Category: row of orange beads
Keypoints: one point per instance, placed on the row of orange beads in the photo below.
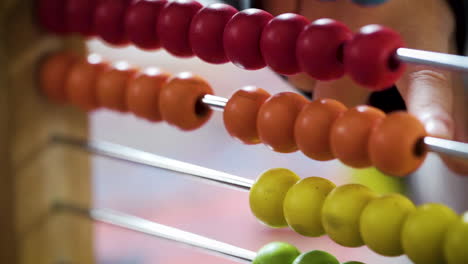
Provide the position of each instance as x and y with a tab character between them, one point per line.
91	83
325	129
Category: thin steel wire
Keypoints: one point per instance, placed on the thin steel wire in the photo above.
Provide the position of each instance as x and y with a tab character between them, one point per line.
434	59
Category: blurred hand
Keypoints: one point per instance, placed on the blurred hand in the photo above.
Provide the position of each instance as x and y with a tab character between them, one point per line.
434	96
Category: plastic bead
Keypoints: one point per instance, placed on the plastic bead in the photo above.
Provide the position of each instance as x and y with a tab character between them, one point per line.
455	242
341	212
370	57
53	74
276	253
395	146
369	2
206	32
302	206
316	257
423	233
278	42
267	195
276	119
109	21
112	87
349	137
174	26
382	221
80	16
320	49
143	94
180	101
51	15
140	23
242	38
313	125
81	83
240	114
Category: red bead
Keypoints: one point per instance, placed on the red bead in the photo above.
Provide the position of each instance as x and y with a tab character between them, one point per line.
174	26
370	57
80	16
320	49
242	38
278	42
51	15
141	21
206	32
109	21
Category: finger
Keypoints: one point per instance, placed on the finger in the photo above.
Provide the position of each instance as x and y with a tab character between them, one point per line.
343	90
277	7
302	82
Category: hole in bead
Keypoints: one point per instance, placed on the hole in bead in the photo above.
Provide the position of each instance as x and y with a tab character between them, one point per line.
201	109
393	62
340	52
419	148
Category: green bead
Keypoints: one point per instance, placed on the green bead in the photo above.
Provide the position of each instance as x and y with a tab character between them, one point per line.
276	253
316	257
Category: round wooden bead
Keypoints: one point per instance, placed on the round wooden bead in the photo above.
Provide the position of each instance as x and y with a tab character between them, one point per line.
456	240
320	49
109	21
278	42
112	87
313	126
395	145
174	26
206	32
240	114
276	119
370	57
143	94
81	83
53	74
180	101
140	23
276	253
80	16
51	15
349	135
242	38
316	257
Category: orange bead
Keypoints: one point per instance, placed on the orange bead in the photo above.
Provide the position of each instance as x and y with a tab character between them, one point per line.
350	134
396	145
80	86
180	101
53	74
313	125
240	114
143	94
112	87
276	118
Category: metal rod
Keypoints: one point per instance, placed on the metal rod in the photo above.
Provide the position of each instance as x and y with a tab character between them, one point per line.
214	102
144	226
435	59
120	152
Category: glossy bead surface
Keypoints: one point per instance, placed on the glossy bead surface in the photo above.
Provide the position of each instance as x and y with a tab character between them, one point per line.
53	74
313	126
369	2
349	137
180	101
80	16
423	233
112	86
456	241
109	21
276	119
320	49
302	206
370	57
174	26
341	212
316	257
240	114
381	223
395	145
206	32
242	38
81	82
276	253
278	42
267	195
140	23
51	15
143	94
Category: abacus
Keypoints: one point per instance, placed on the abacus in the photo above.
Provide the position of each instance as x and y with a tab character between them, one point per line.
351	215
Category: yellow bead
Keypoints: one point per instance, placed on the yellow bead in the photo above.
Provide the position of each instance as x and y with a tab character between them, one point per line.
423	233
341	212
456	242
303	203
381	223
267	196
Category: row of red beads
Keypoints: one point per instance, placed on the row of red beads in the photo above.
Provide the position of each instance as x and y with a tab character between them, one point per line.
251	39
